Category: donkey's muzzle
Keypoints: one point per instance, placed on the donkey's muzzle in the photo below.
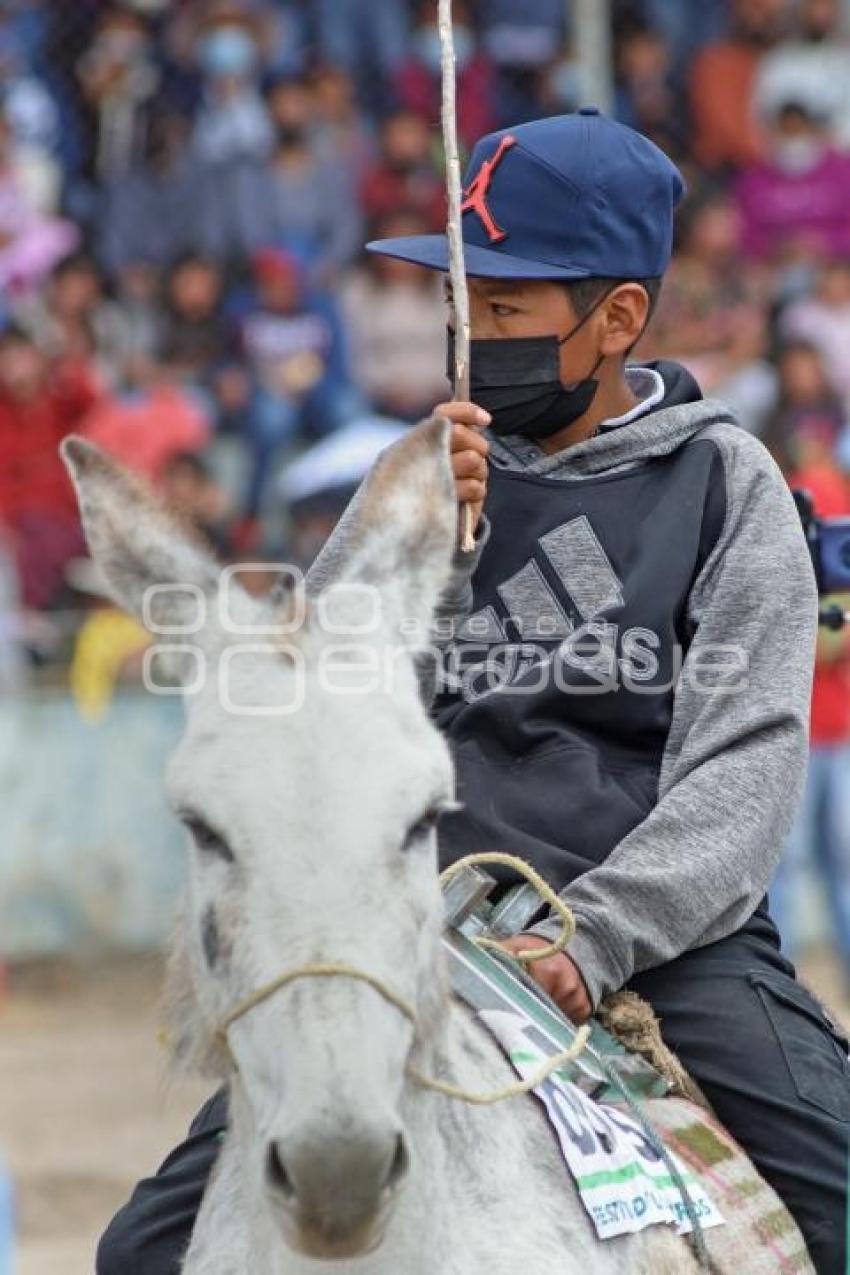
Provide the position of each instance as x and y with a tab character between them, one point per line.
334	1195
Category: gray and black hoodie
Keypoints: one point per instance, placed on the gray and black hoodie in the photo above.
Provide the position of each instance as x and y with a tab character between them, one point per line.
629	654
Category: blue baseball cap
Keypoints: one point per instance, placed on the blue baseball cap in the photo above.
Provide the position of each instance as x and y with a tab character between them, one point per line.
573	197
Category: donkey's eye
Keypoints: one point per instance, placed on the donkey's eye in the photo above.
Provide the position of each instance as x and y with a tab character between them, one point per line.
207	840
427	823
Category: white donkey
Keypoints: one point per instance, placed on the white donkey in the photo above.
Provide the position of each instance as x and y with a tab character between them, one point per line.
312	840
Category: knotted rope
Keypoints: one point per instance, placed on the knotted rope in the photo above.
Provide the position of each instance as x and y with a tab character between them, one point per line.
341	969
543	888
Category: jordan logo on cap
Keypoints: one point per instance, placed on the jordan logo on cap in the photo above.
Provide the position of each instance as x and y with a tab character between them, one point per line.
476	195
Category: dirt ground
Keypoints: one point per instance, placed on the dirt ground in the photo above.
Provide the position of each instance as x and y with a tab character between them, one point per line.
86	1108
85	1105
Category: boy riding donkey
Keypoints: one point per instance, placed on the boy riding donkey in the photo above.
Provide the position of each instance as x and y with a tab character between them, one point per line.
629	651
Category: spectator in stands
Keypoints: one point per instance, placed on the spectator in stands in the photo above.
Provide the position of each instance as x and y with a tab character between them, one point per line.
39	405
187	486
396	323
565	85
71	317
647	96
292	108
419	80
298	197
346	135
794	204
233	122
287	37
406	175
820	839
824	321
29	195
299	387
109	646
525	36
152	213
193	329
369	38
309	202
119	77
137	313
316	488
722	84
712	315
31	239
686	27
149	419
522	40
809	423
813	68
37	169
27	101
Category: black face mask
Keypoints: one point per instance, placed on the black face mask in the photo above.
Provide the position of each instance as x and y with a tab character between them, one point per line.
518	381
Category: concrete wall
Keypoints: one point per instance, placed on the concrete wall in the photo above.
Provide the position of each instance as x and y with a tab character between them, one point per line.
90	857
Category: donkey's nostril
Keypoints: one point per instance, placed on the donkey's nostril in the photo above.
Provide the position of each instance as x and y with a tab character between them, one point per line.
335	1184
399	1166
277	1176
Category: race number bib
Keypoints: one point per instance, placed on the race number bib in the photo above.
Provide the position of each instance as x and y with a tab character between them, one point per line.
623	1182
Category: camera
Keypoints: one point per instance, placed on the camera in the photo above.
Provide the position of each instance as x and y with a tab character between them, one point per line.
829	545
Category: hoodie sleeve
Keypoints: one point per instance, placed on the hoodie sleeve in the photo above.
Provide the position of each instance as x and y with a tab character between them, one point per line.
735	760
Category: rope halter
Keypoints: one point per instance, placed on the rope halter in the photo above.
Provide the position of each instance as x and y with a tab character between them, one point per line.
341	969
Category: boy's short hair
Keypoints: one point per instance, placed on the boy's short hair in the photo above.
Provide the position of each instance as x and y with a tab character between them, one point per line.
584	294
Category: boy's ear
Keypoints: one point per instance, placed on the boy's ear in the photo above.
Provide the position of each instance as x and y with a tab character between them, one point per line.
153	566
627	312
405	533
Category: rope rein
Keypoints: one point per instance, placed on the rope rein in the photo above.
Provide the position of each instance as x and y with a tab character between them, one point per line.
515	1090
543	888
341	969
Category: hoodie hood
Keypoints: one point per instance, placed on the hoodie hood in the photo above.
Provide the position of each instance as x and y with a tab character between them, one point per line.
679	385
681	414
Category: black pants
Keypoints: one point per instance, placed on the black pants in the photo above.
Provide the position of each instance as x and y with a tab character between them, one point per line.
767	1057
774	1067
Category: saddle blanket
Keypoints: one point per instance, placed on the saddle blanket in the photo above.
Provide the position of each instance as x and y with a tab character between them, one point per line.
623	1182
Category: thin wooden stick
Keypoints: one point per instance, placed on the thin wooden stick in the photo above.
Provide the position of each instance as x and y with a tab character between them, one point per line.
457	266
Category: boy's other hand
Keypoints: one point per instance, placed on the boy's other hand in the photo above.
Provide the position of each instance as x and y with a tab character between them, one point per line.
559	977
469	453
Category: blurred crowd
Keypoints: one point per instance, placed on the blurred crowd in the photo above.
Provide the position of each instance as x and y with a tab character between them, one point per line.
186	187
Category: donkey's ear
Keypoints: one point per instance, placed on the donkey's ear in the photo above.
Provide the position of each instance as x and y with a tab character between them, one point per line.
150	562
406	527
